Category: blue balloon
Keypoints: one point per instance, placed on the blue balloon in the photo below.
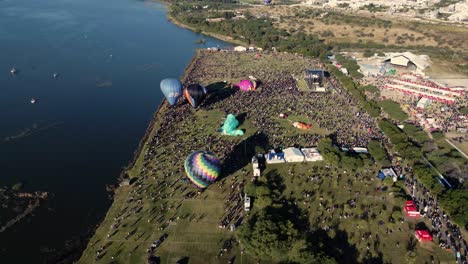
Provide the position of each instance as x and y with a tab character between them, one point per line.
172	90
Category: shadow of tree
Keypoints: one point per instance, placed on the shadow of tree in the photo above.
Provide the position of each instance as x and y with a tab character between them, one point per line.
183	260
337	247
241	118
242	153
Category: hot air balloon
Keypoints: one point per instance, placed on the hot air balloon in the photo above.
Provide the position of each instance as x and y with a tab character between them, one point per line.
172	89
195	94
202	168
247	85
267	2
230	125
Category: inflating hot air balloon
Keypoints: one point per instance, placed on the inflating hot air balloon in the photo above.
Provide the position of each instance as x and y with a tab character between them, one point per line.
172	89
247	85
302	125
202	168
195	94
230	125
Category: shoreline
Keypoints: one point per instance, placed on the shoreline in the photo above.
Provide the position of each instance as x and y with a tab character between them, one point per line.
137	154
210	34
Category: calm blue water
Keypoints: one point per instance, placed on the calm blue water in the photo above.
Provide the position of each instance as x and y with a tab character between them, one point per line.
111	56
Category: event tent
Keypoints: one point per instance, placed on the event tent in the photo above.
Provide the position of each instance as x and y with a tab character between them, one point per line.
293	155
423	235
411	210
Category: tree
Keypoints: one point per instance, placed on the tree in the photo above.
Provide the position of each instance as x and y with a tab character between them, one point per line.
378	152
393	110
266	236
329	152
455	201
272	234
262	191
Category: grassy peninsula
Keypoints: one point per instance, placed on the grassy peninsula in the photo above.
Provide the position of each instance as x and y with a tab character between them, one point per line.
332	211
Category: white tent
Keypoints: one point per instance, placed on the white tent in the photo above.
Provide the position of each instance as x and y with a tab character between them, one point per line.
293	155
311	154
240	48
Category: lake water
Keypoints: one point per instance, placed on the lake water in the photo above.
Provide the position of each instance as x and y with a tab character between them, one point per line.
110	57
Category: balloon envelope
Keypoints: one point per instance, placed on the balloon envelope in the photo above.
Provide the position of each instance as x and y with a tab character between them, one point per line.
247	85
230	125
195	94
172	89
202	168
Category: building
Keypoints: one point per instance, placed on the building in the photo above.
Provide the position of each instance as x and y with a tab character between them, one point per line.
423	103
423	235
274	157
293	155
314	78
408	60
344	71
240	48
311	154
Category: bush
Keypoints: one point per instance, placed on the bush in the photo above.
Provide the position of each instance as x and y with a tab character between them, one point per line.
378	153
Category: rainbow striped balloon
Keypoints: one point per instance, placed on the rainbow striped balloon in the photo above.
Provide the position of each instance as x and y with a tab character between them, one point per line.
202	168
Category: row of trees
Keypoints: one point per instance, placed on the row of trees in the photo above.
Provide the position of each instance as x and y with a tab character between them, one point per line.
344	159
393	110
357	91
453	201
252	30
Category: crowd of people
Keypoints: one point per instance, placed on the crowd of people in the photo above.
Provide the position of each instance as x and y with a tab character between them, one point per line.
448	234
179	131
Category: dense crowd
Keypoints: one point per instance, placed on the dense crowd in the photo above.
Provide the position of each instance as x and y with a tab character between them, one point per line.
163	179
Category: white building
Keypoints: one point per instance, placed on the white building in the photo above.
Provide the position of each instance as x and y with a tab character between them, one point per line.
311	154
293	155
407	59
423	103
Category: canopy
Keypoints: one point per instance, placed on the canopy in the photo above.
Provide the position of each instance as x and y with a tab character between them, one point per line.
423	235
